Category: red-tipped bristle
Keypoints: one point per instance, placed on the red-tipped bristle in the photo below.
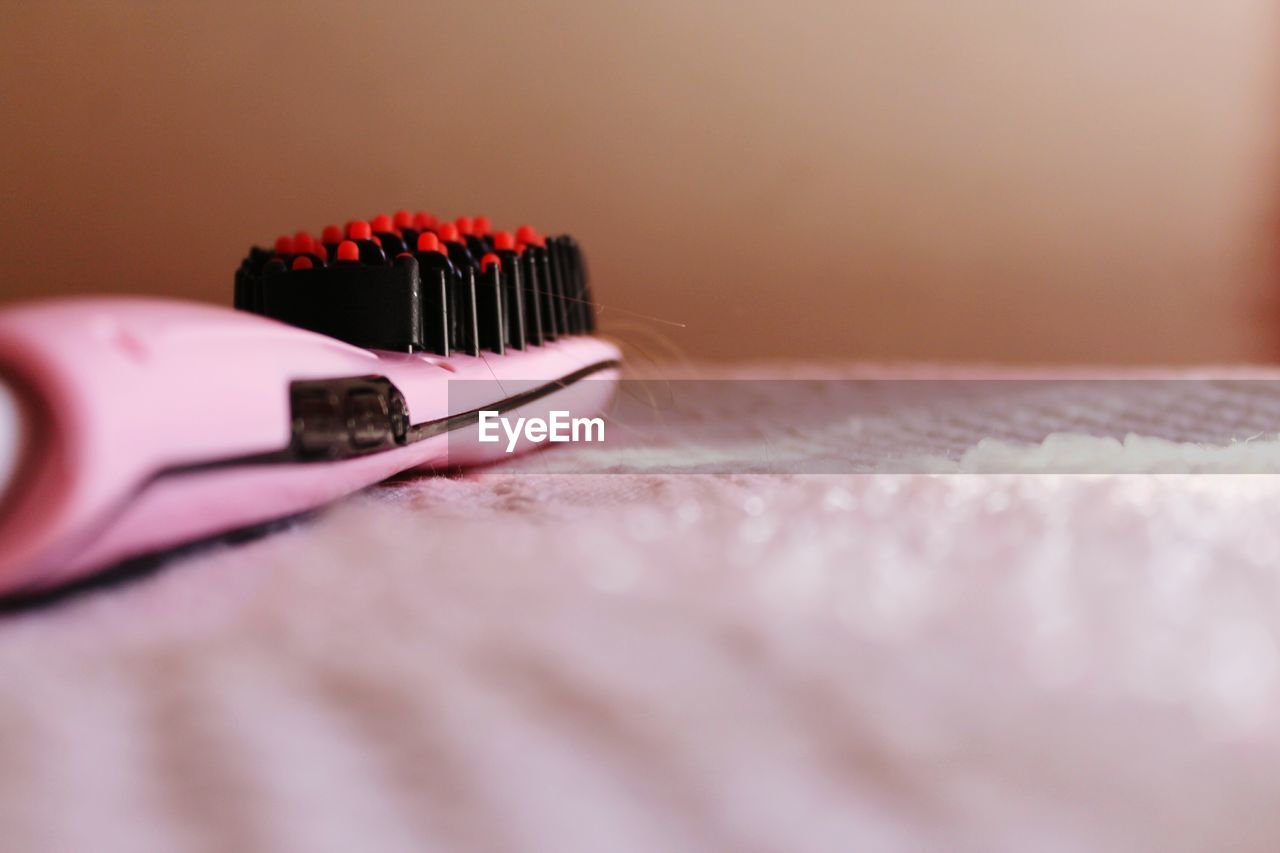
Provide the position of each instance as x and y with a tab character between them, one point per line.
423	221
403	219
321	252
463	224
488	260
303	243
359	230
504	240
428	242
331	234
481	226
302	262
381	223
348	251
448	231
284	245
526	234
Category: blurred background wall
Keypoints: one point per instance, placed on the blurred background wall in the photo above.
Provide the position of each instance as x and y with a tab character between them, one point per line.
988	179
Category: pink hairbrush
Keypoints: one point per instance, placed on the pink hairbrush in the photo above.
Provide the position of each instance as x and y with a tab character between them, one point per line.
129	426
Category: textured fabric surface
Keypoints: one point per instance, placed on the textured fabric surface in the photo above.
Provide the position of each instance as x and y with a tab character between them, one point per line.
514	660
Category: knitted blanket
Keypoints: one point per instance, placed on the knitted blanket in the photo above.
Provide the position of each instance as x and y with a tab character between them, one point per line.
952	643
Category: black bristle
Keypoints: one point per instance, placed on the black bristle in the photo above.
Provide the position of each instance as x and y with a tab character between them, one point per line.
489	309
514	302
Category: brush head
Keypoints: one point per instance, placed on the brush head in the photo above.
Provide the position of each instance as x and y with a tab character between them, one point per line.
409	282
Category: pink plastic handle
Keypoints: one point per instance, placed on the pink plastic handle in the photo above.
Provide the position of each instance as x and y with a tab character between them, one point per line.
116	390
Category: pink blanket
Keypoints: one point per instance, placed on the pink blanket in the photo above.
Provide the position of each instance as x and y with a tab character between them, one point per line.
514	660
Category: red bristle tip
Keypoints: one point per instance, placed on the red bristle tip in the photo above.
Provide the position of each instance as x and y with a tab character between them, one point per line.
428	242
488	260
284	245
331	234
423	221
377	239
381	223
526	234
403	219
448	232
463	224
303	243
403	255
302	262
321	252
348	251
504	240
359	230
481	226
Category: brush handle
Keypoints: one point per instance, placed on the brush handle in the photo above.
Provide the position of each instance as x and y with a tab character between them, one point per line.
144	424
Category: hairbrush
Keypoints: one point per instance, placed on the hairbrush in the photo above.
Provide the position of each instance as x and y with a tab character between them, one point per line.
130	426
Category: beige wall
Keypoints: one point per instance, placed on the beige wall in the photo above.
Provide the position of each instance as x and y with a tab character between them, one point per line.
988	179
